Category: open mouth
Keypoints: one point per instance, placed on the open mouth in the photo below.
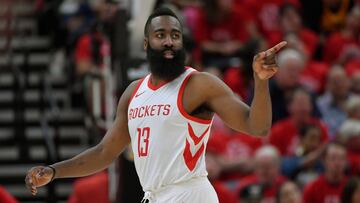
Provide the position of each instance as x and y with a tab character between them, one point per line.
168	54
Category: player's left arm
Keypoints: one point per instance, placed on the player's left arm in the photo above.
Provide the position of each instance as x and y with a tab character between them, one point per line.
256	119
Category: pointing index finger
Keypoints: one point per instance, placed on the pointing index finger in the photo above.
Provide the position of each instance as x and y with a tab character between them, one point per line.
275	48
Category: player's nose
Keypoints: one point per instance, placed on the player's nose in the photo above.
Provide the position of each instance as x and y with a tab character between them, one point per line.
168	41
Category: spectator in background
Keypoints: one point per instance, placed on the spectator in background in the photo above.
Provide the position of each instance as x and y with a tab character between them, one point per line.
287	79
235	151
352	67
291	27
5	197
355	83
351	192
351	127
93	189
91	57
267	14
305	165
106	11
76	17
332	103
328	187
252	193
304	41
343	46
267	173
333	15
285	133
289	192
214	168
349	133
311	14
91	51
239	83
221	33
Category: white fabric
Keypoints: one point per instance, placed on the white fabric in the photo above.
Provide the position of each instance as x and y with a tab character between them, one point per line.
196	190
164	162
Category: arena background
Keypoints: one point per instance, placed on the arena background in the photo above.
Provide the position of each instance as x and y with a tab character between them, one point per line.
64	64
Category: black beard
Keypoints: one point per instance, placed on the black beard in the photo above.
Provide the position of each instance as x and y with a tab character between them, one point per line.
166	68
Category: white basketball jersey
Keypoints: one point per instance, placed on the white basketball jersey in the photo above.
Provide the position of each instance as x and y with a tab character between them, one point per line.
168	144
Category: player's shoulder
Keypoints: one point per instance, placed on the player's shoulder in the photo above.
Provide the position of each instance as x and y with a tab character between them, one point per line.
135	83
128	93
203	82
131	87
199	78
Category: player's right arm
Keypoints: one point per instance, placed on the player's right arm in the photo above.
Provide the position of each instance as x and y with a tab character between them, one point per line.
92	160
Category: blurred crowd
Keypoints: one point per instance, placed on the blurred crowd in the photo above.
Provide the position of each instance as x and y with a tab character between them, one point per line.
312	154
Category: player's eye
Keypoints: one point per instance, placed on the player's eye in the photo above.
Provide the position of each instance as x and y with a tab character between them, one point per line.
159	35
175	36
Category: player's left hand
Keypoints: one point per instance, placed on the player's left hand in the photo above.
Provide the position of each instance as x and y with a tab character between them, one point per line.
264	64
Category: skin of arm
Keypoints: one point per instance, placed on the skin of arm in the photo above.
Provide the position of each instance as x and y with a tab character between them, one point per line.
92	160
208	90
254	120
100	156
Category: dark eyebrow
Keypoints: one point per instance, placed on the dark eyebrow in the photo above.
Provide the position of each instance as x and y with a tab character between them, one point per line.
159	30
175	30
163	30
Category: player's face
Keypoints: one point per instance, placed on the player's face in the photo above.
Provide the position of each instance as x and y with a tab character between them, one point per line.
164	47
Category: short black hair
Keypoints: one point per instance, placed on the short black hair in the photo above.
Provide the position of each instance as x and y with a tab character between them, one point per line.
162	11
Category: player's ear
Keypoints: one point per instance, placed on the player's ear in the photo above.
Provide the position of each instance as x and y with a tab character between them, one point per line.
146	41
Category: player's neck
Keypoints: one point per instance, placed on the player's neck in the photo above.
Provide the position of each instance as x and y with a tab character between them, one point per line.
159	80
155	80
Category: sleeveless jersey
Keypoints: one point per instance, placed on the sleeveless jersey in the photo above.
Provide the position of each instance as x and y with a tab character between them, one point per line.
168	144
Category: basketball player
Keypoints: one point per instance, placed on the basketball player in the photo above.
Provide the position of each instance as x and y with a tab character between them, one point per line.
166	117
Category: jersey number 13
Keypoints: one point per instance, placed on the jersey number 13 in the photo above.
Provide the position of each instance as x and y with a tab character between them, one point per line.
143	141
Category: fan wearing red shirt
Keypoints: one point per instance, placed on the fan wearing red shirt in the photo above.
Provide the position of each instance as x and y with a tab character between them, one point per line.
5	197
291	27
93	189
342	46
267	173
91	51
220	32
92	56
214	168
235	149
328	187
267	14
285	133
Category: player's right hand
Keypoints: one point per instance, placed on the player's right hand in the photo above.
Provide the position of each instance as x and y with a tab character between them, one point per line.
38	176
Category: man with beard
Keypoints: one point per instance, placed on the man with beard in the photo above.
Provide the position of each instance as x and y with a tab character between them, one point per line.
166	117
